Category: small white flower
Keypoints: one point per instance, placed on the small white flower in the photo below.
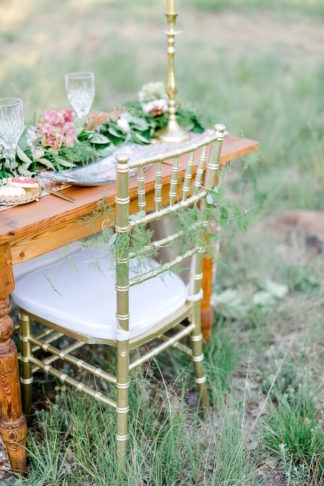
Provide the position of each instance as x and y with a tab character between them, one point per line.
123	124
156	107
152	91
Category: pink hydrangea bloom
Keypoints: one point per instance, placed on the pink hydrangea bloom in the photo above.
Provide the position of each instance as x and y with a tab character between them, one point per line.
52	116
68	115
56	129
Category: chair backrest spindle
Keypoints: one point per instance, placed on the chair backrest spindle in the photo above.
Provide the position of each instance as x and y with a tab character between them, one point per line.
214	157
158	186
200	169
188	176
174	181
141	189
122	260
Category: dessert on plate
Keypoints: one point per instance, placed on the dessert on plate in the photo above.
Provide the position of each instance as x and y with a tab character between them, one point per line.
12	193
24	182
19	190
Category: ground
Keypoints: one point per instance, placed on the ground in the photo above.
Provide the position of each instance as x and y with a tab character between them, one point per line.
258	68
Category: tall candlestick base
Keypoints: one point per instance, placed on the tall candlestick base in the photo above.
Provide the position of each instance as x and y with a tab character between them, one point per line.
172	133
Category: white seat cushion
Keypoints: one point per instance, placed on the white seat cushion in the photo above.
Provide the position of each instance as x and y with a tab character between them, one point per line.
78	293
21	269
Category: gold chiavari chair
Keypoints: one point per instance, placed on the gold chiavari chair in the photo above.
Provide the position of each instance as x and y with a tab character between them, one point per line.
119	307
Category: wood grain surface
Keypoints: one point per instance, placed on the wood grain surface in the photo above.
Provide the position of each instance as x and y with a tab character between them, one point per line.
12	422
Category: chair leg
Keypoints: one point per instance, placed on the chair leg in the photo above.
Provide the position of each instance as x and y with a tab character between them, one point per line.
198	357
122	401
27	376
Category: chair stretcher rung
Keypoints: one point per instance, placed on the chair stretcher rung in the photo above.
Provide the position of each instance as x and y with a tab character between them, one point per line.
149	218
45	333
61	354
69	349
71	381
181	347
157	244
165	241
50	335
162	347
162	268
53	336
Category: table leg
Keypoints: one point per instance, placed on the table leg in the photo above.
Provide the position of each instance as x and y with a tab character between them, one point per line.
209	273
12	422
207	315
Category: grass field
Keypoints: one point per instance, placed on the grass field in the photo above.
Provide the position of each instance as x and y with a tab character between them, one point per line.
256	66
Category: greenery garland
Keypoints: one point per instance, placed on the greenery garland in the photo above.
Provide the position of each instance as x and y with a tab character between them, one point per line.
137	122
223	212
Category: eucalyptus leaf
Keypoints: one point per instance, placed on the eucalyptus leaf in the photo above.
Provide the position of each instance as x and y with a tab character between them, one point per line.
99	138
46	163
23	157
84	135
139	123
138	136
64	162
115	132
24	172
10	165
79	131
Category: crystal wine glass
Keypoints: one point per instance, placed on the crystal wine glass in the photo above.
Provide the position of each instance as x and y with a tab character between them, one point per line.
80	90
11	124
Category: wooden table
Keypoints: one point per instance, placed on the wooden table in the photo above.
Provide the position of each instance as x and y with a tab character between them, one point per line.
32	230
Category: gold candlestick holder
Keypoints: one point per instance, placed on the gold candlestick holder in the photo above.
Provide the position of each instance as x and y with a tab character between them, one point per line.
172	133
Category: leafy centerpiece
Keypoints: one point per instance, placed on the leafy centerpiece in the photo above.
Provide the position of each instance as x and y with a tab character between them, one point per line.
60	141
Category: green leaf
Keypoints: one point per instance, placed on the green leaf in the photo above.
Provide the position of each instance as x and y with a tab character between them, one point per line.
23	157
136	136
10	165
139	123
99	138
64	163
84	135
115	133
46	163
24	172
